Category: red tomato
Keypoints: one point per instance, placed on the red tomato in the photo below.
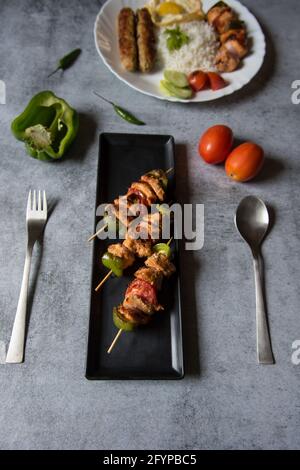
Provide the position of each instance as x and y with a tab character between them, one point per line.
215	144
244	162
142	289
216	81
197	80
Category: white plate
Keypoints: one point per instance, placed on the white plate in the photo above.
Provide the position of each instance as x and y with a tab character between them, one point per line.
106	39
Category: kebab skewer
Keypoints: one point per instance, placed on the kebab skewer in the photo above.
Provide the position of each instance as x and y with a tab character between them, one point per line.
150	189
140	301
120	256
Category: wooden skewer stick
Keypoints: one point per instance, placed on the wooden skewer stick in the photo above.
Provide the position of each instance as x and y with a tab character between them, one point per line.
114	341
97	233
120	330
103	280
102	228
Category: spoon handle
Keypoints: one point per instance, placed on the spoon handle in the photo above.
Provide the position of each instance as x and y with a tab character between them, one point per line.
264	349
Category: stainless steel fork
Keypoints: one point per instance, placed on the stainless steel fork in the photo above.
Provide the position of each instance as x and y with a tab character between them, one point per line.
36	218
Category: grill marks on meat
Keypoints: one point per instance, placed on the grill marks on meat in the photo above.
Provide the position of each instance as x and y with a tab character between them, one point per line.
136	40
127	39
233	37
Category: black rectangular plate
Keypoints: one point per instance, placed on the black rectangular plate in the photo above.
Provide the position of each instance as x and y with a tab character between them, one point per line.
154	351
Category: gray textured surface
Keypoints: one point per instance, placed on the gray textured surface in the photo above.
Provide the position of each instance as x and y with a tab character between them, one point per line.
226	399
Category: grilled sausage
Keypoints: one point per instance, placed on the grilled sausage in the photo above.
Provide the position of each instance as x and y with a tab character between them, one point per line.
145	40
127	39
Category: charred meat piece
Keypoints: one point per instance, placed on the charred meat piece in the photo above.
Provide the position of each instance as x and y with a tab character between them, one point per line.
225	61
118	249
127	39
135	302
238	34
133	316
216	11
161	263
223	21
155	185
141	248
150	275
236	48
145	40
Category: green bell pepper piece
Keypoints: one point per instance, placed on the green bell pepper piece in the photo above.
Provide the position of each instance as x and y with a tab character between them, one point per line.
162	248
114	263
120	323
48	126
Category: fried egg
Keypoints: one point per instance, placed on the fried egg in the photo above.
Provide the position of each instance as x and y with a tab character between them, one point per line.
165	13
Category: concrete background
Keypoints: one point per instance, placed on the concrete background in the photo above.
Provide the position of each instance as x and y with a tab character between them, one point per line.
226	400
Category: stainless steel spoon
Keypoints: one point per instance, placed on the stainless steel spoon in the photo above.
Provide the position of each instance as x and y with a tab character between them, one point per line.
252	222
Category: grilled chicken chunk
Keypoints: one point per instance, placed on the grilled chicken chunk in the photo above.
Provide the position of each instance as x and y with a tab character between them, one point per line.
155	186
223	21
225	61
118	249
238	34
215	12
145	40
151	276
135	302
141	248
161	263
127	39
133	316
145	189
236	48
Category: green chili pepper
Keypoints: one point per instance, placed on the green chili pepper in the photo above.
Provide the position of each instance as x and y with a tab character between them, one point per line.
66	61
114	263
120	323
162	248
123	113
48	126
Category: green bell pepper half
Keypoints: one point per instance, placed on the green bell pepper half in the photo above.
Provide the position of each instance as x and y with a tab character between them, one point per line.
114	263
48	126
162	248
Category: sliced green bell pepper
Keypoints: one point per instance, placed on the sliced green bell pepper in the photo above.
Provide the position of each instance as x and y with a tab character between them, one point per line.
114	263
162	248
48	126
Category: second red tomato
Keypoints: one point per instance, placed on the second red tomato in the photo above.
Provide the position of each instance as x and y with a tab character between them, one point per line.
215	144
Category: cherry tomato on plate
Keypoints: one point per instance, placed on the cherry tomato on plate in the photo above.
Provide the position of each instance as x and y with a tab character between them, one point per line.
244	162
215	144
197	80
216	81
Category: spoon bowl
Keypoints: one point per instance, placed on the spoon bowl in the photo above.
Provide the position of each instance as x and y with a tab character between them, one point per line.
252	220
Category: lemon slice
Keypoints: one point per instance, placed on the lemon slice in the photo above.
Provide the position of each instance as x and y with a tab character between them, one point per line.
169	8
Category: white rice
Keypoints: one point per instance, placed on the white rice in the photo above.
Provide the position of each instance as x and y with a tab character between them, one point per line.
198	54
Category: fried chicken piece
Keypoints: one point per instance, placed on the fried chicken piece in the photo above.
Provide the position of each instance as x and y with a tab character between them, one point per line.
155	185
127	39
151	276
238	34
145	40
161	263
215	12
223	21
118	249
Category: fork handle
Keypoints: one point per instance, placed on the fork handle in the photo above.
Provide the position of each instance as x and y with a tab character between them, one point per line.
15	352
264	349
